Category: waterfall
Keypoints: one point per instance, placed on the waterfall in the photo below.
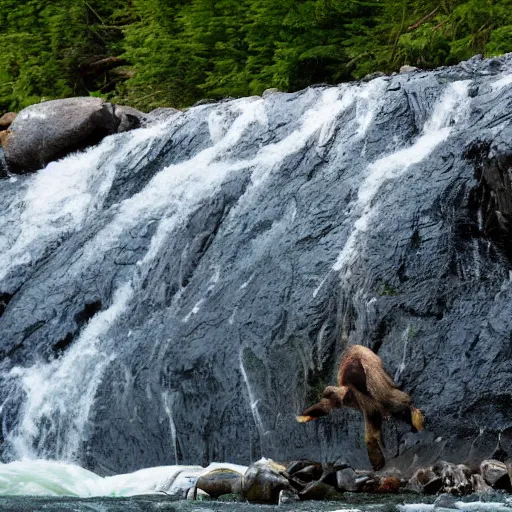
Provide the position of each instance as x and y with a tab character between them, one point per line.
137	274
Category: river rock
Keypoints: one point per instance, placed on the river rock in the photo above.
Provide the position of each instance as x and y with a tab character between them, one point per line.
287	496
346	480
425	481
194	494
220	481
479	484
129	118
455	477
298	465
495	473
302	472
263	481
407	69
320	491
383	485
442	477
50	130
309	473
7	119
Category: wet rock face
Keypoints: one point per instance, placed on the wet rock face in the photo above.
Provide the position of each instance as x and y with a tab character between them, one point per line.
491	199
50	130
236	250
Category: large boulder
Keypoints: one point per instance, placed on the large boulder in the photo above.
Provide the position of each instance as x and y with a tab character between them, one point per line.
263	482
48	131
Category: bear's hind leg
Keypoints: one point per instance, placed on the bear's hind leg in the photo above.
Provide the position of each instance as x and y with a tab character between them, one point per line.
373	439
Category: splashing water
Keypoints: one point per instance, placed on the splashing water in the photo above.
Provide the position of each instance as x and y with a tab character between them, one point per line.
61	197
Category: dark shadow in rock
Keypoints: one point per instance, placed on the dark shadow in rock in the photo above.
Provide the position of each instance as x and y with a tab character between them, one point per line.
89	310
5	298
63	344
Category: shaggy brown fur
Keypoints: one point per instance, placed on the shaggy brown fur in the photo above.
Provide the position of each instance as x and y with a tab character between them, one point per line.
363	384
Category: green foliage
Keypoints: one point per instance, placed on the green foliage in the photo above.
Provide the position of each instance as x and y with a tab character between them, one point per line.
384	289
411	332
151	53
50	49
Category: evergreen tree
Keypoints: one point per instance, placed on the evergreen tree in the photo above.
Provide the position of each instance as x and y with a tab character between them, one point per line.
151	53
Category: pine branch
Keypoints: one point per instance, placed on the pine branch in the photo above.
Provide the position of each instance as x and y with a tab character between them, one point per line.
425	18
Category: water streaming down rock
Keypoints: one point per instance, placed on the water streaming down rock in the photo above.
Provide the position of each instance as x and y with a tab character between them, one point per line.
179	293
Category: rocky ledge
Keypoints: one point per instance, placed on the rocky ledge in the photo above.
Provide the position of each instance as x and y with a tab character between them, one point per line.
268	482
47	131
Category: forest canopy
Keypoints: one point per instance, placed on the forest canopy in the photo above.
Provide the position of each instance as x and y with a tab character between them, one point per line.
152	53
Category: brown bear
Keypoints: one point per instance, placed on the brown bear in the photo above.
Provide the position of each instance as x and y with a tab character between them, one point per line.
363	384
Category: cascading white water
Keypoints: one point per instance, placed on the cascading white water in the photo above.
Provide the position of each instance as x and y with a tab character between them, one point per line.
59	394
58	200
